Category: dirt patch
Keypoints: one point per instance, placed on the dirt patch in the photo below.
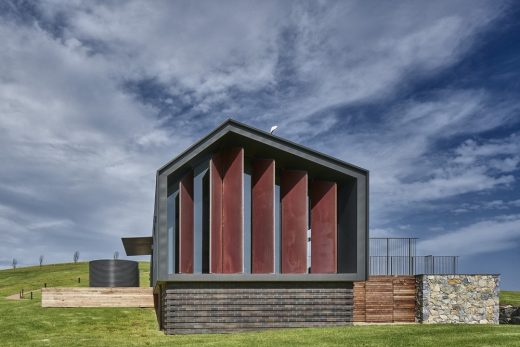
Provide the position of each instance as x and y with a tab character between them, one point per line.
14	297
27	295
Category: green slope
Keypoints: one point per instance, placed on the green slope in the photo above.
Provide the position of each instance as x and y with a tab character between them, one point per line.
55	275
508	297
25	323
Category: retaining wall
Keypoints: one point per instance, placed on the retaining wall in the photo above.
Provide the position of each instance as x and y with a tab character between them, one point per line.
97	297
470	299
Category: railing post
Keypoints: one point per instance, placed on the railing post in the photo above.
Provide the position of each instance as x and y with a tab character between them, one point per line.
410	256
454	265
387	255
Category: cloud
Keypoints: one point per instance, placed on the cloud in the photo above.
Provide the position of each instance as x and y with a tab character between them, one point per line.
498	234
270	61
471	150
487	205
401	149
95	96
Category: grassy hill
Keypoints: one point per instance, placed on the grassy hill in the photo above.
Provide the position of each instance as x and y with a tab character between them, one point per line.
55	275
25	323
508	297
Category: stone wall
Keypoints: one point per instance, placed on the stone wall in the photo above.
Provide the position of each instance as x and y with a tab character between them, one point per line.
470	299
509	314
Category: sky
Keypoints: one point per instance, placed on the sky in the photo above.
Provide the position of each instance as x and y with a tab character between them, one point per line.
96	96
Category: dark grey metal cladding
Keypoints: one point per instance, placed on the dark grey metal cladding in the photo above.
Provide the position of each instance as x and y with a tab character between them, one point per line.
261	137
162	228
114	273
137	245
172	222
347	227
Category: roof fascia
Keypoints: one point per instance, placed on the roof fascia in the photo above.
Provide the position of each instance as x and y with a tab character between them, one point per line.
266	138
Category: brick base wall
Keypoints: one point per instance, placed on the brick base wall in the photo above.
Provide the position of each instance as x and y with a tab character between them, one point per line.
225	307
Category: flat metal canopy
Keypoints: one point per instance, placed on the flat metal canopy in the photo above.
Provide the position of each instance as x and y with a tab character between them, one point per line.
137	245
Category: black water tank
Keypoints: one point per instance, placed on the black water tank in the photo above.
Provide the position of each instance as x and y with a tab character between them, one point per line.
114	273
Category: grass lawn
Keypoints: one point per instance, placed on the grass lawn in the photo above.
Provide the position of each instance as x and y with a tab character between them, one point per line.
55	275
25	323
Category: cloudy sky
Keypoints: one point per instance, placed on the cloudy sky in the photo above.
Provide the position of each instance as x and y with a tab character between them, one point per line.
94	97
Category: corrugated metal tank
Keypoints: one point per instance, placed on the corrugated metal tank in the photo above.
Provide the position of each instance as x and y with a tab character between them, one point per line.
114	273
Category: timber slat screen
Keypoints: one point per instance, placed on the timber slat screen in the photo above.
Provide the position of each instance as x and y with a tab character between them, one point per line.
385	299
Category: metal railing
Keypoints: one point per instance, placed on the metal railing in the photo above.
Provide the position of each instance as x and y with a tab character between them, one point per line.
413	265
397	256
393	246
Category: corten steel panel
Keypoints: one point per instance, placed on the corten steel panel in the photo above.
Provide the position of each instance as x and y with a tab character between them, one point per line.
186	224
323	227
294	221
215	173
232	210
262	205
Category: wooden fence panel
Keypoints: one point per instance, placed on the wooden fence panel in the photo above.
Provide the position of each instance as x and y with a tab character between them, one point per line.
359	314
404	299
385	299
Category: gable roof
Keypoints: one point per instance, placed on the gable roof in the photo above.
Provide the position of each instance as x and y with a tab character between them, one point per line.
231	126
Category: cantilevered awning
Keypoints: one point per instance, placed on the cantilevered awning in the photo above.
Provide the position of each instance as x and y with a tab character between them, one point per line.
137	245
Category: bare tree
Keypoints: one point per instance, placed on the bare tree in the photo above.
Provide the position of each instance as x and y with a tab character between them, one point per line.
116	255
15	262
41	260
76	256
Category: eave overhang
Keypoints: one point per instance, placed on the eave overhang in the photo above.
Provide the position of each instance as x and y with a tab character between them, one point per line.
232	132
137	245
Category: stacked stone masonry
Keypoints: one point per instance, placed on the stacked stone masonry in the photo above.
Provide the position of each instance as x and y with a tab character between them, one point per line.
509	314
224	307
469	299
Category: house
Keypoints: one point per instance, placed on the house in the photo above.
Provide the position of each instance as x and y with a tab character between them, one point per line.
253	231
